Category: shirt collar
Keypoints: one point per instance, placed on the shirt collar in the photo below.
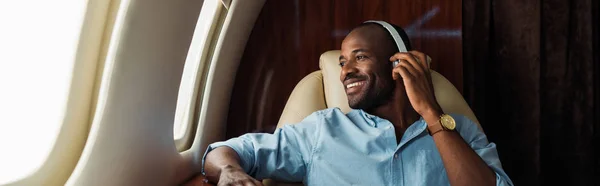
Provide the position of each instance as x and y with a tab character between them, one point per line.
371	119
411	132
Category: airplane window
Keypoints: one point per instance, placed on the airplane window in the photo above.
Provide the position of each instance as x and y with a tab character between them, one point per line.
38	43
196	66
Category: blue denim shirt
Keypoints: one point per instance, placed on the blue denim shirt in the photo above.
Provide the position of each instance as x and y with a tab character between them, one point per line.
332	148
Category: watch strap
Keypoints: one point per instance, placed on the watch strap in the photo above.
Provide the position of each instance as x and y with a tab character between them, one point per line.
435	128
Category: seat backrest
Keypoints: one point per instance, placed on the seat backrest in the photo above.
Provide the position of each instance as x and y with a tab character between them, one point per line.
322	89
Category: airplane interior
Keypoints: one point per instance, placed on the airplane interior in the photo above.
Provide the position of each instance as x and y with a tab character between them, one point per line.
133	92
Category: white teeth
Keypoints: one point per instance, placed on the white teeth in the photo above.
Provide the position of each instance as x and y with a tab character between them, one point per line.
354	84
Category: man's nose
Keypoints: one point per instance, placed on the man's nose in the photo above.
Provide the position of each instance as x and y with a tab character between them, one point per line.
348	69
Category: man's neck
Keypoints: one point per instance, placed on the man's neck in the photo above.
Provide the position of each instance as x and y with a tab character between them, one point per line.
399	112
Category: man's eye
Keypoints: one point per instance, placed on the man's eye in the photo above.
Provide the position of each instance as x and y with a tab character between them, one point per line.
360	57
342	63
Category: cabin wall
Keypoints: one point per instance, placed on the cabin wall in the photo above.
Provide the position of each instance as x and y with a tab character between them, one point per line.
289	36
532	78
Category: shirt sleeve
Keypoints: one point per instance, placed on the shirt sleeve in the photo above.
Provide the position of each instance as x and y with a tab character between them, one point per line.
282	155
486	150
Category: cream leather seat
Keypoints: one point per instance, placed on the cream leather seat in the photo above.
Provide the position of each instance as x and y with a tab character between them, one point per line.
322	89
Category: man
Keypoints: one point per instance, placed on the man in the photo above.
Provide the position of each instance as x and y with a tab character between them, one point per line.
396	134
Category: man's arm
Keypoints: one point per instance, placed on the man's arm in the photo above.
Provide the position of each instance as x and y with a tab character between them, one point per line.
463	165
281	155
223	166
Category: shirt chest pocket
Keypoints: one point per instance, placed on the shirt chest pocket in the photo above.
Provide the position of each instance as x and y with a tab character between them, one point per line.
428	161
425	167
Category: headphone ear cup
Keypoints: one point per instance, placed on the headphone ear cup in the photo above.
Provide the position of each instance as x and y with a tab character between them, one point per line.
395	63
428	61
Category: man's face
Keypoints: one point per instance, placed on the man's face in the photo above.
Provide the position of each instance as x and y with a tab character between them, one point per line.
366	70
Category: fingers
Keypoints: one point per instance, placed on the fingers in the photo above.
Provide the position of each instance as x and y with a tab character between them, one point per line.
409	67
401	71
425	63
412	65
421	57
249	182
415	67
242	182
258	183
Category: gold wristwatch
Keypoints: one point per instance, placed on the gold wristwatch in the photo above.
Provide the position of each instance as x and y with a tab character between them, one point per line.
446	122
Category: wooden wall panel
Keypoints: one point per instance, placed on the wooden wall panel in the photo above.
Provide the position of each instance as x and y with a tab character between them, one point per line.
290	35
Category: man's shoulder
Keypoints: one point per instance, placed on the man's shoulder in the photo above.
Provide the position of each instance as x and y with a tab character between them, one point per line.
329	112
315	120
323	115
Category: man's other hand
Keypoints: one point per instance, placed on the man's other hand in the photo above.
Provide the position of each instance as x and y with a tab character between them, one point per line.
415	74
232	176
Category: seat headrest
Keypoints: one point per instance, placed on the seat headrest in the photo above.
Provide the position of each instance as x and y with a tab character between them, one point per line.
335	96
446	94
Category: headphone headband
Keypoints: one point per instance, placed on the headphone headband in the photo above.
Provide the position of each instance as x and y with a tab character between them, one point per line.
397	39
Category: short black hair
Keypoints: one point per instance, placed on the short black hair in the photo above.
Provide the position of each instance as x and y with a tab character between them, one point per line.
398	29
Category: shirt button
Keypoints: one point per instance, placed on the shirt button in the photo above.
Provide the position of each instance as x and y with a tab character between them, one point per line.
396	156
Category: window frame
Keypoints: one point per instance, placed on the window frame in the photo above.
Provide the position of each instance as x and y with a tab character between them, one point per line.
197	63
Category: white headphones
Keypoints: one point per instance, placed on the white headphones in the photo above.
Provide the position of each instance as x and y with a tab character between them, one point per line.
393	32
397	39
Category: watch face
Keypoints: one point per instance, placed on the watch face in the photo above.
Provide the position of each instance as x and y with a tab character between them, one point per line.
448	122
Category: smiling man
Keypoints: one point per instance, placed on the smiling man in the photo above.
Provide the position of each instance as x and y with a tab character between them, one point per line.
396	134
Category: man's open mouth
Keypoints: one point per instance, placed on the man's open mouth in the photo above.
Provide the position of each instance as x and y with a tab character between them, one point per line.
354	87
